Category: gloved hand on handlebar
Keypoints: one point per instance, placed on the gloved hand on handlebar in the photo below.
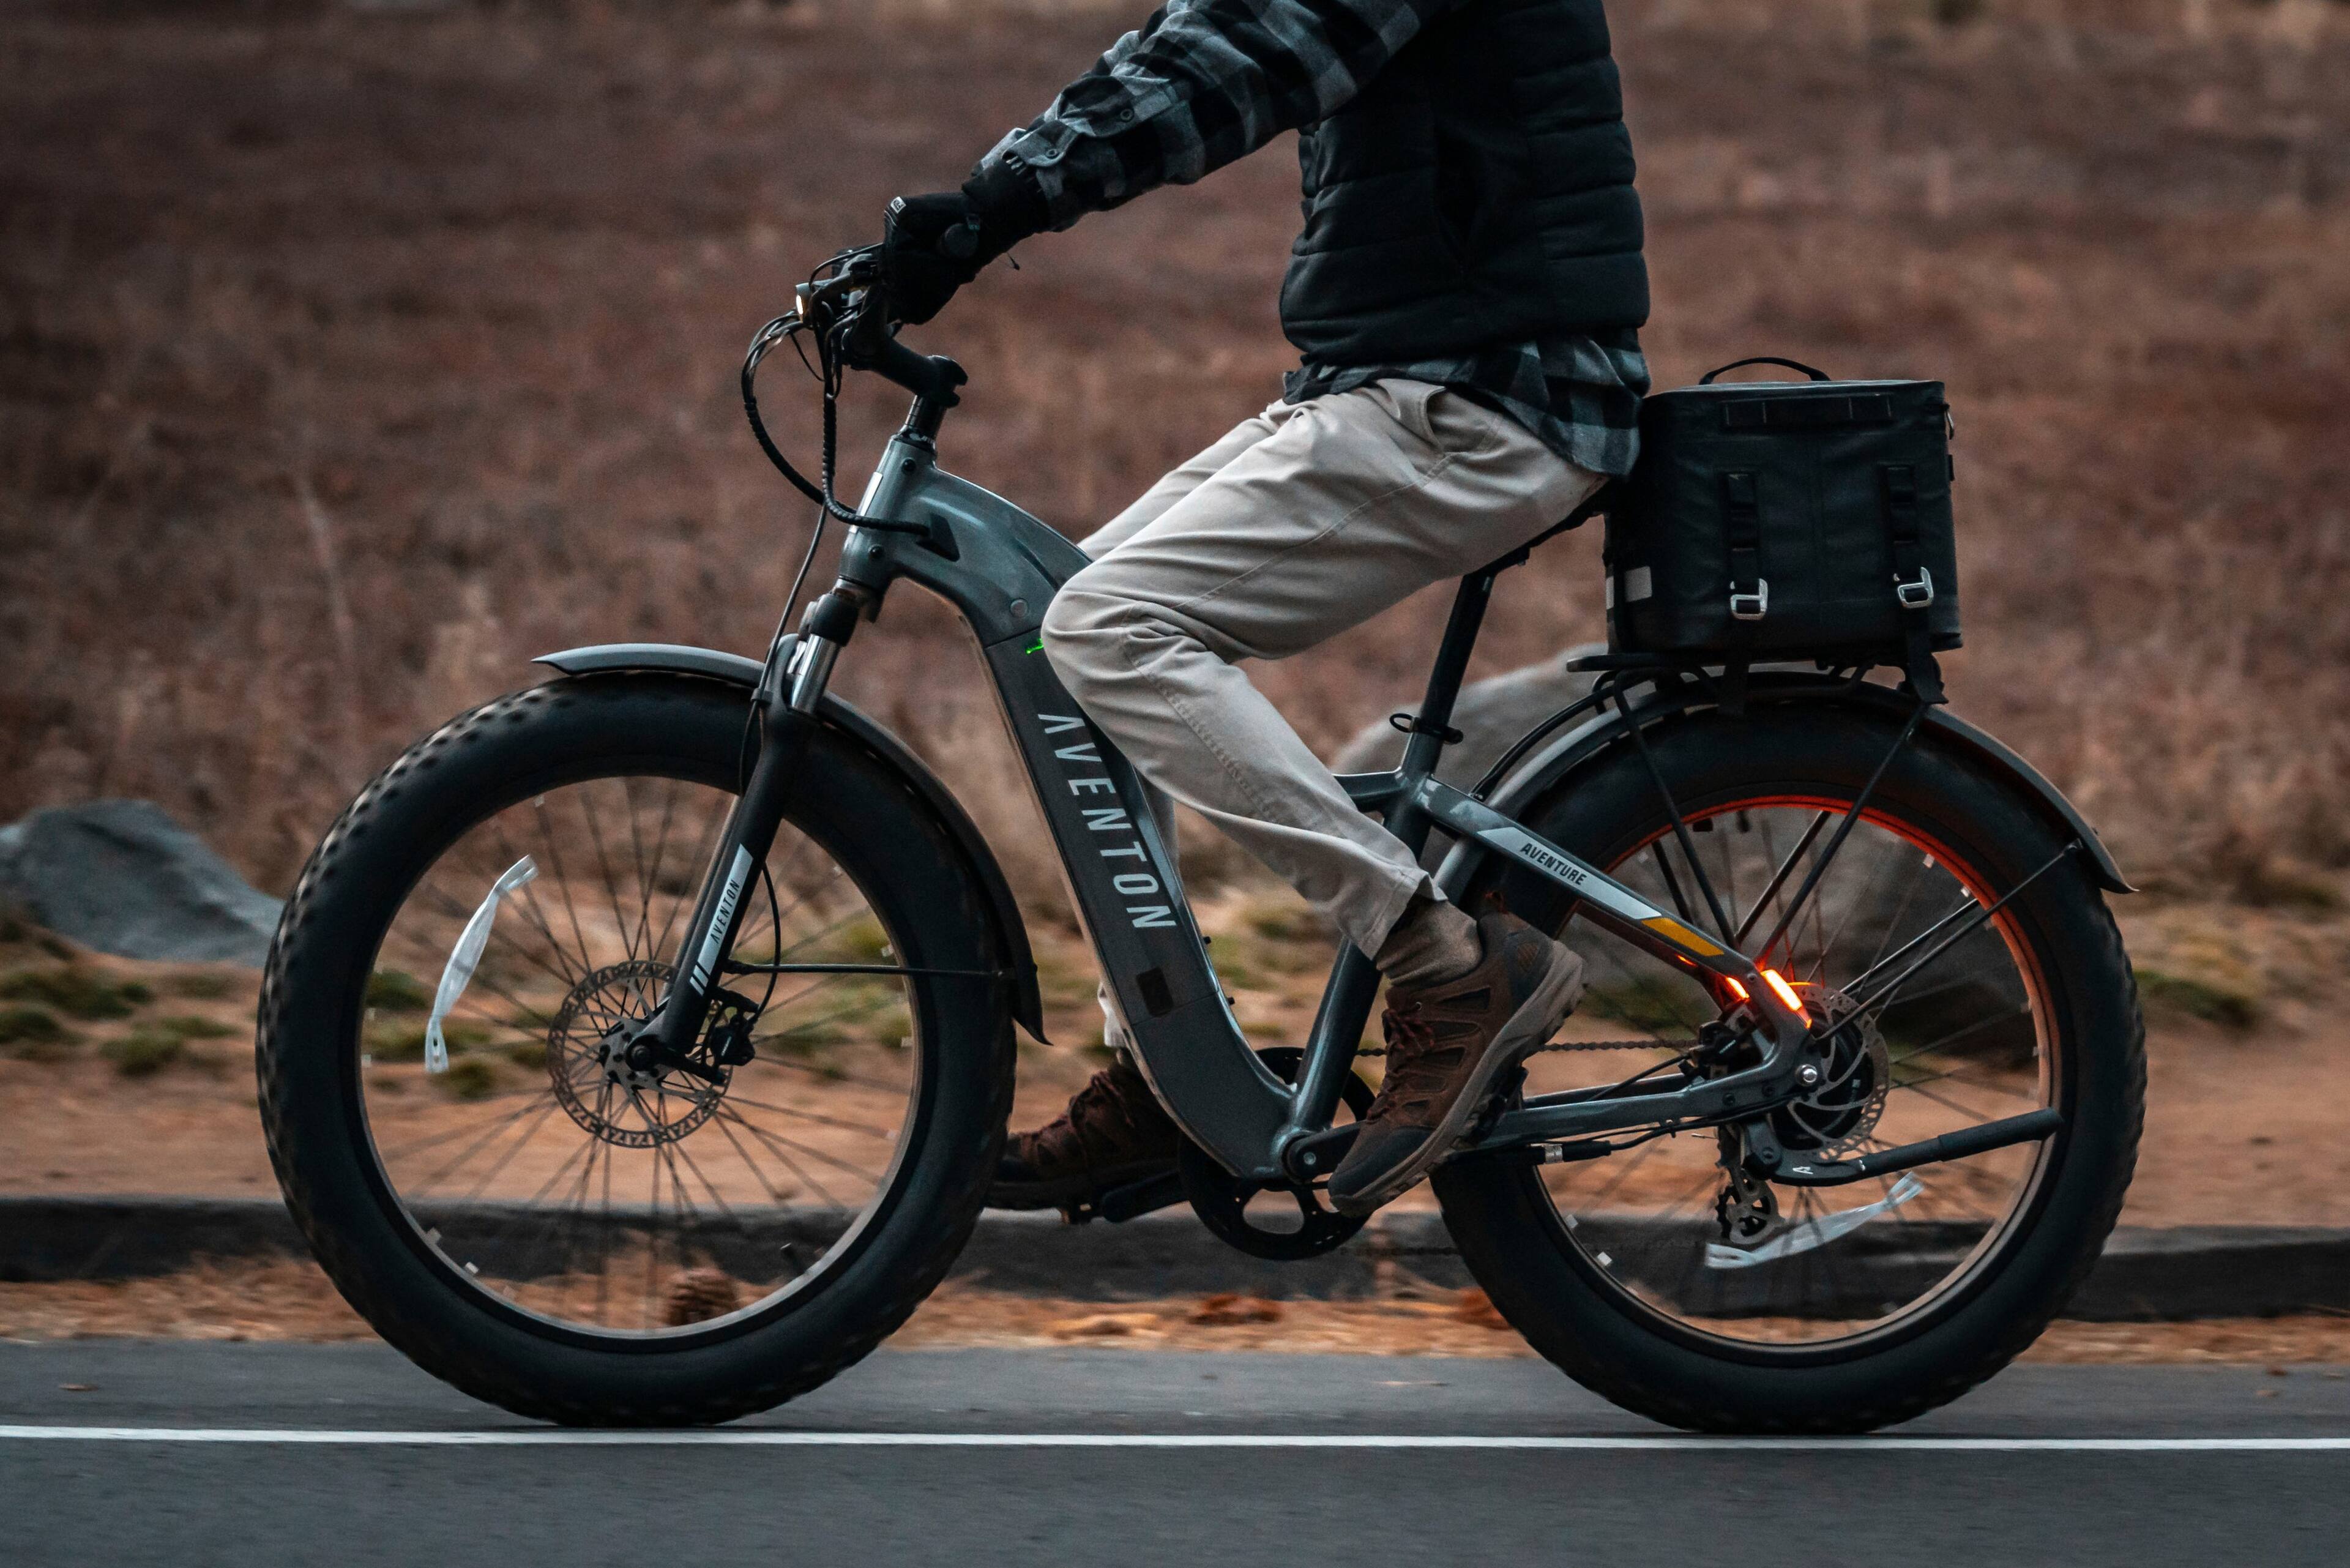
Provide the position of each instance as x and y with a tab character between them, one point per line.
932	246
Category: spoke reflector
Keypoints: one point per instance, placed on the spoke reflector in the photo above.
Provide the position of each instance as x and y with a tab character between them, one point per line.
467	958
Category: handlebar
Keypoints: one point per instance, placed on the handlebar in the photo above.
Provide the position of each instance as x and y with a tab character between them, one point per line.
849	314
854	302
932	378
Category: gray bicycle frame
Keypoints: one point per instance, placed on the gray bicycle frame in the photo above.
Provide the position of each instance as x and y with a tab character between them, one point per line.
999	568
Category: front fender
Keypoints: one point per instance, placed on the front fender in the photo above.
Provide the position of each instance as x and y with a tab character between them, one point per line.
1554	762
613	657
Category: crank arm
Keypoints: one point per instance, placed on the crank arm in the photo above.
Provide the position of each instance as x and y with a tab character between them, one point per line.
1131	1201
1121	1204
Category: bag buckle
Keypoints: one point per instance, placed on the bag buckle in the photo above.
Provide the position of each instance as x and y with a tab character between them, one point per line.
1914	595
1749	606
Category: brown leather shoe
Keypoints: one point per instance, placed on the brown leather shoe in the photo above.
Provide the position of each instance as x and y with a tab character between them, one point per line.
1113	1133
1447	1045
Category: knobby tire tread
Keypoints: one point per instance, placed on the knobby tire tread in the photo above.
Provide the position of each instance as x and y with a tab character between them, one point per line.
1576	1329
949	1225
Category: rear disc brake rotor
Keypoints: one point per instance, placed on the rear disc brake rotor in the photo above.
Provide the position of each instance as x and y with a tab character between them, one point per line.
1837	1116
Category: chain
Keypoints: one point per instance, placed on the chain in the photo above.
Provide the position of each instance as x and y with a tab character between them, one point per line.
1679	1047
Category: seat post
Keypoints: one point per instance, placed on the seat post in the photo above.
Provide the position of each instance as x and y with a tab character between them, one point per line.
1433	723
1461	630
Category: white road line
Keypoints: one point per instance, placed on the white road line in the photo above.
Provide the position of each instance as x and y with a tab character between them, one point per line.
537	1437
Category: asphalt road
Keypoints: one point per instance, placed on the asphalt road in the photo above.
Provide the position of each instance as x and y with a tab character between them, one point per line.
192	1453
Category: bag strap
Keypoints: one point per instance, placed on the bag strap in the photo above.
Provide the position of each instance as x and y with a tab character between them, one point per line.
1750	590
1913	584
1741	511
1707	379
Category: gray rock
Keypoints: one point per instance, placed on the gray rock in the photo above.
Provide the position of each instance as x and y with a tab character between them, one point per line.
122	877
1489	714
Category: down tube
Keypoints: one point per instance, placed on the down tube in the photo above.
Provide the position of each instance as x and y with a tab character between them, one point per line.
1132	902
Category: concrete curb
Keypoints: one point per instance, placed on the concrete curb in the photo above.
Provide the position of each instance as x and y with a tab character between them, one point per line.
2220	1271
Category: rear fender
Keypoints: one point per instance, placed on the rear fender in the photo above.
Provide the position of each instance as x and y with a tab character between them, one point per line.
615	658
1557	762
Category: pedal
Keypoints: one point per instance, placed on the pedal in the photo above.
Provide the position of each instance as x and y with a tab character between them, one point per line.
1506	1091
1119	1204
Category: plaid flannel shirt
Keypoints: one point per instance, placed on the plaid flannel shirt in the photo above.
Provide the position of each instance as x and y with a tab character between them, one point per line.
1204	82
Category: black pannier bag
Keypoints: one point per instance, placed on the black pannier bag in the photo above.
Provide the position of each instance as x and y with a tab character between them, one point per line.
1777	521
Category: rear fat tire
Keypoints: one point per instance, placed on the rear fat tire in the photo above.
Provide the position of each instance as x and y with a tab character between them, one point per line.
1513	1241
918	882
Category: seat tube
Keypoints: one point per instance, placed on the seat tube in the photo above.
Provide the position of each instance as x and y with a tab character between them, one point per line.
1354	978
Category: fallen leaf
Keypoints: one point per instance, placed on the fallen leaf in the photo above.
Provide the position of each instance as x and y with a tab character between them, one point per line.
1227	1307
1475	1307
1101	1325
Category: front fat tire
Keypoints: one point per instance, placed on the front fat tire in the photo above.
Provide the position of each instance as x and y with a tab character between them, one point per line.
918	879
1514	1245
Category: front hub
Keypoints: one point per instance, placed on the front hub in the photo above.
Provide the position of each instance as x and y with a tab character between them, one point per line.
605	1077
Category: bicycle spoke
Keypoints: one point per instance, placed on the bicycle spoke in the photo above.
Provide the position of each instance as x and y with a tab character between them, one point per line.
528	1132
781	1153
649	880
434	1181
702	853
611	886
739	1101
829	1075
593	1226
1778	878
1955	1035
1948	1001
774	1194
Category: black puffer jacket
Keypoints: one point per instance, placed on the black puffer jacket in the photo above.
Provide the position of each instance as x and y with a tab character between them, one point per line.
1468	176
1478	190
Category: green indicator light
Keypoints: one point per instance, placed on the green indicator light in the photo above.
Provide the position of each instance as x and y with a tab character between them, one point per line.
1037	647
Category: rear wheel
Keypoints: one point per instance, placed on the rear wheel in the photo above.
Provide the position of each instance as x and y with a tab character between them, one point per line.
1657	1278
528	1217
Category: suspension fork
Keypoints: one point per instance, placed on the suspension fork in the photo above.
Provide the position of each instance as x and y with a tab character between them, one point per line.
798	668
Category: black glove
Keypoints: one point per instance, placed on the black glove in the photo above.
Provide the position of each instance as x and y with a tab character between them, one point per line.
932	246
928	249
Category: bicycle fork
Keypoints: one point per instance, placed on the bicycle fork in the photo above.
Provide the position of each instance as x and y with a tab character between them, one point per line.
798	668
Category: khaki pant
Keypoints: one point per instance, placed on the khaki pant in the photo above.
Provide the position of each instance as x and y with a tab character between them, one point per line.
1301	522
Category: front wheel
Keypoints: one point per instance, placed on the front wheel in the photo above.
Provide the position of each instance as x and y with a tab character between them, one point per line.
481	1170
1655	1278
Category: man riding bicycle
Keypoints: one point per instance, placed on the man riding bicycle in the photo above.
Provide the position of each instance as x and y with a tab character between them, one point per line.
1465	296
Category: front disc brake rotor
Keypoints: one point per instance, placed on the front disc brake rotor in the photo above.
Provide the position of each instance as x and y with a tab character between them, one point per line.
586	1057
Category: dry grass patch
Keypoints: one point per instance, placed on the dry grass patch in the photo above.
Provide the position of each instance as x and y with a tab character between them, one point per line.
291	1299
370	354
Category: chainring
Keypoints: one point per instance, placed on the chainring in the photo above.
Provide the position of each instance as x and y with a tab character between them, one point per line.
1220	1199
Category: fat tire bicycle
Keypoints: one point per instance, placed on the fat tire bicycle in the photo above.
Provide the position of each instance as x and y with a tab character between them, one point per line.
711	1087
